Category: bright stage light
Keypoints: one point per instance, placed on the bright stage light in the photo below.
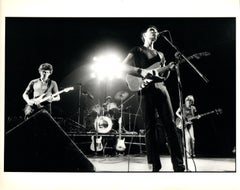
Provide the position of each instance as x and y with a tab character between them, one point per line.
93	75
107	67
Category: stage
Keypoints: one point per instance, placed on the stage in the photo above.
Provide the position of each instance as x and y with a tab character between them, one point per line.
135	160
138	163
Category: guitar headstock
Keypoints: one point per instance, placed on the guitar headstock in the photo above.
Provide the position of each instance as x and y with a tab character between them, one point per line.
68	89
201	54
218	111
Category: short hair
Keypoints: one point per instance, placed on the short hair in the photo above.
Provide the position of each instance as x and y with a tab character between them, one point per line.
190	98
46	66
145	30
108	98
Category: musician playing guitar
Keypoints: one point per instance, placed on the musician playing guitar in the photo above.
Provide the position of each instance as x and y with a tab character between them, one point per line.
155	97
189	111
40	88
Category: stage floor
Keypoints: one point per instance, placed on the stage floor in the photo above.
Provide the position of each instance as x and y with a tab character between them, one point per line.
138	163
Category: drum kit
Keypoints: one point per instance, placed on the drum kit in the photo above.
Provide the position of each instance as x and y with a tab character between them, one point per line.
107	115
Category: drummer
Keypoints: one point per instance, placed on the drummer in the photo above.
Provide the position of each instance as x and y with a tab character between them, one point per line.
108	105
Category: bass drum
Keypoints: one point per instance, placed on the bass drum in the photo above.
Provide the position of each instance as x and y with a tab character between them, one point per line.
103	124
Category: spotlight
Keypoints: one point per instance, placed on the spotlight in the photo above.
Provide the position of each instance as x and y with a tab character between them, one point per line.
107	67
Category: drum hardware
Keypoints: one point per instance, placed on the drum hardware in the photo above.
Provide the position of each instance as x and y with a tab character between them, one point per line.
131	114
96	109
103	124
121	95
76	124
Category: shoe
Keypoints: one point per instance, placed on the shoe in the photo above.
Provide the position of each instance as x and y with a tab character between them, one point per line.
180	169
156	167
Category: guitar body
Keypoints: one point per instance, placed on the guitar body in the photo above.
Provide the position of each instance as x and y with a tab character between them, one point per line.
30	109
99	145
189	120
120	146
136	83
179	123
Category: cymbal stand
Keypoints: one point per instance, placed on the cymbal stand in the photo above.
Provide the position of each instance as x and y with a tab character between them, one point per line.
129	120
127	99
180	92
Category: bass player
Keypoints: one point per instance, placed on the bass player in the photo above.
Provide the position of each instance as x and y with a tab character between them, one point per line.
189	111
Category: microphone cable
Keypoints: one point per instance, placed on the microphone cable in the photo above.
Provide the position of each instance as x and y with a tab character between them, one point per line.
134	127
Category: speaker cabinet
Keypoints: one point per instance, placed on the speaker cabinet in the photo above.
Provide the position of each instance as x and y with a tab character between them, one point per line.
39	144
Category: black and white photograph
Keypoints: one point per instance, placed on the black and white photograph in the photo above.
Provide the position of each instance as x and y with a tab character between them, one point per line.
120	94
148	95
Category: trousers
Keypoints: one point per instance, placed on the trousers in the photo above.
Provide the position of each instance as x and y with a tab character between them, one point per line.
158	100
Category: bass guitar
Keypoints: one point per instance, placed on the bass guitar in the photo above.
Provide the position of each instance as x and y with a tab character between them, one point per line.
96	143
189	120
29	109
136	83
120	146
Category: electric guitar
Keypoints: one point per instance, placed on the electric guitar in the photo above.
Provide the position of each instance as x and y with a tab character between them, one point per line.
120	146
136	83
29	109
97	143
189	120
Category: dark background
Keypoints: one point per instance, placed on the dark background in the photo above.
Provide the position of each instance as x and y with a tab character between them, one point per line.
69	44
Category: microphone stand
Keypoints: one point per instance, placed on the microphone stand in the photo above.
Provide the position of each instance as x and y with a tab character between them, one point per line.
181	95
79	104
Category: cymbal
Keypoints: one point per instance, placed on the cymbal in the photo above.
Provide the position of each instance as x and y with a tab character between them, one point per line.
121	95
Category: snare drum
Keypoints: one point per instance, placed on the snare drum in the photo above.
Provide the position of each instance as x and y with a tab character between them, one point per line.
103	124
111	106
113	110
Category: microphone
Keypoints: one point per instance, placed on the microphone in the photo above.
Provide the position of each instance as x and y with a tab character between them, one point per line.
91	96
160	33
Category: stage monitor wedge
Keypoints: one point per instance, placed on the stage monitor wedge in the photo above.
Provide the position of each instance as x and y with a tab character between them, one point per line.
39	144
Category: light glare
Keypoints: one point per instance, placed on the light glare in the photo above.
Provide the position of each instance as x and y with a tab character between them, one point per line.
108	66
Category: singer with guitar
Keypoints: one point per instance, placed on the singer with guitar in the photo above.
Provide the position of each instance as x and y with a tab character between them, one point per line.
189	111
154	97
41	88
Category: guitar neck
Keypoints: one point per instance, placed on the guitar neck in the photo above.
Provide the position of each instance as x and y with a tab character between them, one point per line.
120	129
167	67
57	93
161	70
208	113
201	115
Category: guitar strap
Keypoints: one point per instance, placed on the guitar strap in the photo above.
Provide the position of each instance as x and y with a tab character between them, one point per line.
162	60
48	87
